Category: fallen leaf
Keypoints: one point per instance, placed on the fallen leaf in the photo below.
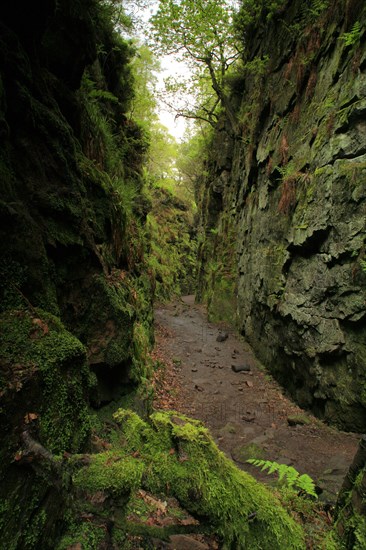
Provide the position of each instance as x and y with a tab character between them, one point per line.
249	383
29	417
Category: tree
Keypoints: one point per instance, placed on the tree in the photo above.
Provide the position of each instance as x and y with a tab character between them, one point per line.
200	33
192	157
144	67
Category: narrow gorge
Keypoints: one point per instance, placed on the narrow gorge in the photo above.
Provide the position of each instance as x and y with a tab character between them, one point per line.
261	214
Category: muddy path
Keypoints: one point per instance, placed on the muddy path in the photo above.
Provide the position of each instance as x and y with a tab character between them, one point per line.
246	411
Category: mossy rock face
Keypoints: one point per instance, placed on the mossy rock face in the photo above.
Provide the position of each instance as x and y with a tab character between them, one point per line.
44	372
350	523
176	456
71	213
173	242
74	288
292	191
44	393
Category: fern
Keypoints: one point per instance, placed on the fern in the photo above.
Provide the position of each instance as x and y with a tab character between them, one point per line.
351	38
103	94
317	7
310	11
287	474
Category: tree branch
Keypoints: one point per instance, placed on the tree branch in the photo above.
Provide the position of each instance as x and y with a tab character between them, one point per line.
221	95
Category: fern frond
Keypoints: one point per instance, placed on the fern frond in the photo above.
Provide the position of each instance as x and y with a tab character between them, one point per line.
352	38
286	474
306	484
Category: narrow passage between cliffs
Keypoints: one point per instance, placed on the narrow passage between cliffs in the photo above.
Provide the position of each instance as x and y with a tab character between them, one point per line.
247	412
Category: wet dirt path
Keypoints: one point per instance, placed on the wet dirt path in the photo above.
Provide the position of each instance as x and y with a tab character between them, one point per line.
246	411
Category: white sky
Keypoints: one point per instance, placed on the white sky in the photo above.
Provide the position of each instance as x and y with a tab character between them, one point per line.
169	67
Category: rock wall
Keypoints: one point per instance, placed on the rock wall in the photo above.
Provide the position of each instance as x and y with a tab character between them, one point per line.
75	293
295	193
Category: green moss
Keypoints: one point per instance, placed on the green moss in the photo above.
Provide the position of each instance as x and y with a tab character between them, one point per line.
134	429
350	525
350	530
222	301
173	245
86	536
142	366
25	518
111	306
176	455
35	344
218	277
113	472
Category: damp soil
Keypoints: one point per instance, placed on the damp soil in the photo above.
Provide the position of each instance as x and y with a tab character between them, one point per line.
247	412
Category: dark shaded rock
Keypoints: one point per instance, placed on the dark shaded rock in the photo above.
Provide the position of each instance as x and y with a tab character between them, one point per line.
351	507
75	296
222	337
248	418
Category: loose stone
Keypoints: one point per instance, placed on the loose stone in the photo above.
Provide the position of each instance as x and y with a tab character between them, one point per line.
240	368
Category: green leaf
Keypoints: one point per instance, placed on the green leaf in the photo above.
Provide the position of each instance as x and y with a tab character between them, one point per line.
287	474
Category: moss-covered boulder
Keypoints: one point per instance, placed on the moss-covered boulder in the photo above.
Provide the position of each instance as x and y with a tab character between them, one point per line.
175	456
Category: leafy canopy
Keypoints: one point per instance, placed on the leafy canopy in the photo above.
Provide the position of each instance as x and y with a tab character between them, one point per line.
200	33
195	30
